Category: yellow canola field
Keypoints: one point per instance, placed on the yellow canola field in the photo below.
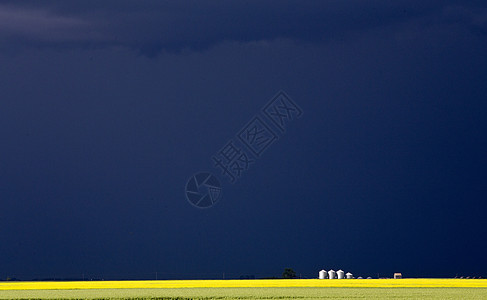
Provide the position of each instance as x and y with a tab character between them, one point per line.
153	284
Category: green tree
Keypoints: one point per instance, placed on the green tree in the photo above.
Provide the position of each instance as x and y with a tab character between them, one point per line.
289	274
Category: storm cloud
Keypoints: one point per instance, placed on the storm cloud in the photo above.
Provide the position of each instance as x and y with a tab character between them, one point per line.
152	27
108	108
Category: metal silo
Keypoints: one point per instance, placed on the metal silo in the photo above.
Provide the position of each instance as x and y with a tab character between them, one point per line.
323	274
340	274
331	274
349	275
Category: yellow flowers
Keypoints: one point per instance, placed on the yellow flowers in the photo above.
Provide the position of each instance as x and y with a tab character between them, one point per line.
149	284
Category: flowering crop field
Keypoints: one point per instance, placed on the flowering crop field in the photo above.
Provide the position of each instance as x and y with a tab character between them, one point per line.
250	289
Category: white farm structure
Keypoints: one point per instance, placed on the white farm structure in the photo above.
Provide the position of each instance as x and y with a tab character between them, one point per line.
331	274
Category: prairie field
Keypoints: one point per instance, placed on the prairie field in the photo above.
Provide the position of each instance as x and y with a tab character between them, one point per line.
250	289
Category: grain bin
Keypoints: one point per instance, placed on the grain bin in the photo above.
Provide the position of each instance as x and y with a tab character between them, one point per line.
340	274
349	275
331	274
323	274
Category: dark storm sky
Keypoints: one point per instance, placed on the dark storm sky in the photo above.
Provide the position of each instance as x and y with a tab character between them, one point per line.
108	108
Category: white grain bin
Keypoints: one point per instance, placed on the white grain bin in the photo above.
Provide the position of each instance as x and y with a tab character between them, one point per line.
340	274
331	274
349	275
323	274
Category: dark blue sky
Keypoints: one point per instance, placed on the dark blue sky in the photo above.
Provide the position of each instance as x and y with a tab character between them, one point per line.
107	109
